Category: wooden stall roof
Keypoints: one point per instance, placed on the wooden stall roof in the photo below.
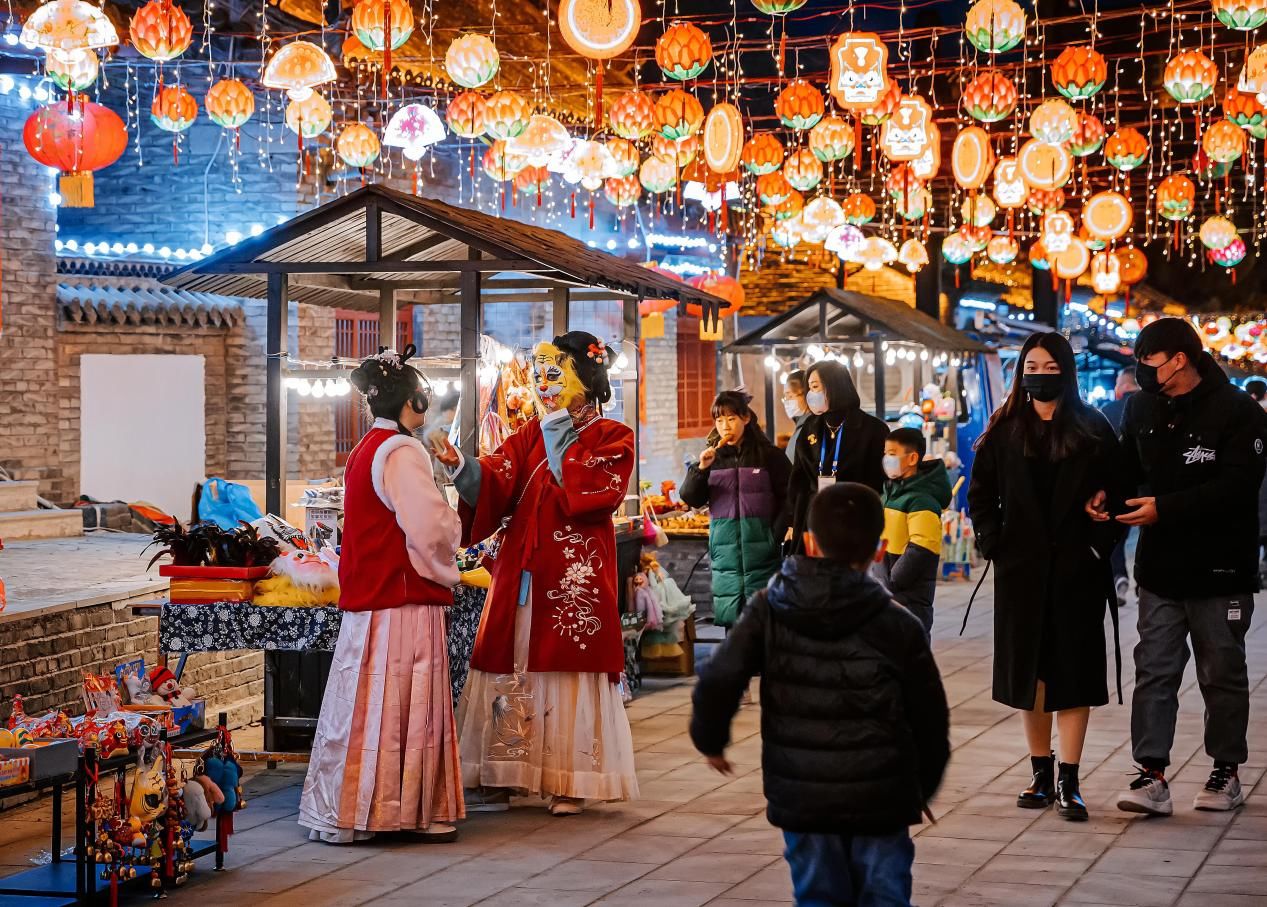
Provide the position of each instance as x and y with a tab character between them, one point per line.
840	316
344	252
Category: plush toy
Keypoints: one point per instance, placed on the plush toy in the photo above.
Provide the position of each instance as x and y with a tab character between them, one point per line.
298	579
149	789
225	773
197	809
164	684
210	789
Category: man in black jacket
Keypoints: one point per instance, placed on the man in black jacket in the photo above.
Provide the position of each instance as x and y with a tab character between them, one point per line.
1193	444
854	723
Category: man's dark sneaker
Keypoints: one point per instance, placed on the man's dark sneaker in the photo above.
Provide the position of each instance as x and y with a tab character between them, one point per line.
1069	802
1042	790
1149	794
1222	792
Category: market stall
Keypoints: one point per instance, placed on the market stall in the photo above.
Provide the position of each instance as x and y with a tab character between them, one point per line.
375	249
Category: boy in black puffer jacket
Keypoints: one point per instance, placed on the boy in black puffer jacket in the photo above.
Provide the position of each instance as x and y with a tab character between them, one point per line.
854	722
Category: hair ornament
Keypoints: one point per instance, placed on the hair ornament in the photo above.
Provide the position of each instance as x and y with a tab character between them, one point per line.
597	351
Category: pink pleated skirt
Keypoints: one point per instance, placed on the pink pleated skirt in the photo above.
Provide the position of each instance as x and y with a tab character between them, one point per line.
385	755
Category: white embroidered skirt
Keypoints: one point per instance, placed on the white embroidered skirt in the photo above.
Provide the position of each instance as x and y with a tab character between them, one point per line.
546	733
385	755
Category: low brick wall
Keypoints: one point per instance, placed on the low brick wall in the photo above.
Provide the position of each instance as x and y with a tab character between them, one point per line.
44	658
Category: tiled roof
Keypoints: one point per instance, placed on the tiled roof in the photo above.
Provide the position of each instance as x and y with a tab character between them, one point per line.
129	293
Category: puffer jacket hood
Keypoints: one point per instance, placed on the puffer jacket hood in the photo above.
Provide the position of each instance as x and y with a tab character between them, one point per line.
930	484
822	598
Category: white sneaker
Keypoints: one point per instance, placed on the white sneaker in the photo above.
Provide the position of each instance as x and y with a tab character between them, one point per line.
1222	792
1148	794
487	799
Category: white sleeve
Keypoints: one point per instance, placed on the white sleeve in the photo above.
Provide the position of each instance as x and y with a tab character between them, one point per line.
406	485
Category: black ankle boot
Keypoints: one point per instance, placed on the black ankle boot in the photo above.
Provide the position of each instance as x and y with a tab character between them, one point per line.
1041	790
1069	804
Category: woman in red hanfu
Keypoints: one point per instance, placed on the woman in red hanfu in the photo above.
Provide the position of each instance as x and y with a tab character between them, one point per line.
542	713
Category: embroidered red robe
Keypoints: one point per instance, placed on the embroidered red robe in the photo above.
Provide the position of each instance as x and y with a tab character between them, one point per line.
561	533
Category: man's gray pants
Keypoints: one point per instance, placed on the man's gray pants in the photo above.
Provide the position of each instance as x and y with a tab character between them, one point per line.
1217	627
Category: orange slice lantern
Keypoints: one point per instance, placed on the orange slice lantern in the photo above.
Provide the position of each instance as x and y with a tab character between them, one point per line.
1088	137
1176	197
76	143
1079	72
678	114
1073	262
506	115
803	170
859	70
990	97
1223	142
1044	165
357	145
723	138
763	153
160	30
632	115
1190	77
683	51
1053	121
972	158
831	139
858	209
799	105
1126	149
1107	215
230	103
174	109
905	135
599	29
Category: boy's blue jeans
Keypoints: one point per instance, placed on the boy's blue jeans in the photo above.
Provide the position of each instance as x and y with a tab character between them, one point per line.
850	870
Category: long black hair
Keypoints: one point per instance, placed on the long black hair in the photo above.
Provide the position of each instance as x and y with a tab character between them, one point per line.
389	382
837	385
738	403
591	358
1073	425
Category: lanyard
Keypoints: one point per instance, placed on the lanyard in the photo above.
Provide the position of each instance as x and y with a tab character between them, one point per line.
835	460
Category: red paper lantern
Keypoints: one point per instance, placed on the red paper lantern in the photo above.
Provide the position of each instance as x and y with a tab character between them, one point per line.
160	30
632	115
683	51
78	141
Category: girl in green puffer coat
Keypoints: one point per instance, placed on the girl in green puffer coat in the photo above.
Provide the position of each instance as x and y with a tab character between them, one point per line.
742	478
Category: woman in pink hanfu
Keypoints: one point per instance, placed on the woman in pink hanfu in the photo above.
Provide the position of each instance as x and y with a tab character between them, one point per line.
385	757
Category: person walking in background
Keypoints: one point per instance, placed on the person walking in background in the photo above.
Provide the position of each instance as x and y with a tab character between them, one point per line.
1195	443
915	495
838	442
1044	453
1257	389
741	477
794	391
1125	387
854	721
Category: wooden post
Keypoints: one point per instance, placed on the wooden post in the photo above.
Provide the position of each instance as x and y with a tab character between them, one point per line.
877	346
561	299
630	393
387	318
770	379
1046	300
472	319
275	395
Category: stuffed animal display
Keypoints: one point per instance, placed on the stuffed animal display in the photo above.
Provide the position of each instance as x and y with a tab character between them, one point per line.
164	684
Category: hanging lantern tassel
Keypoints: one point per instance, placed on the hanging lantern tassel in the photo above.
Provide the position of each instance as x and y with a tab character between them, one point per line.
387	43
1232	271
725	212
1068	291
572	202
1011	223
782	47
472	164
1055	281
712	223
175	150
591	210
956	276
598	94
237	139
857	141
539	198
416	183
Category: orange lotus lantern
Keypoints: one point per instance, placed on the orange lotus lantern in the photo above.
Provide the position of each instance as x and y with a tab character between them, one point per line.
1190	77
1176	197
1241	15
174	109
1053	121
799	105
1040	201
1107	216
532	180
658	175
763	153
1044	165
472	60
357	145
499	164
73	72
230	103
902	180
994	26
803	170
858	209
1039	257
990	97
1088	137
1126	149
623	191
789	207
309	117
678	114
683	51
624	157
905	135
831	139
160	30
632	115
1223	142
506	115
879	112
680	151
1217	232
1244	109
372	20
76	143
972	158
723	138
773	188
467	115
1079	72
859	70
298	68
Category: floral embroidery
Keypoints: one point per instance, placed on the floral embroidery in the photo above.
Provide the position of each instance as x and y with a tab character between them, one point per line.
512	716
577	595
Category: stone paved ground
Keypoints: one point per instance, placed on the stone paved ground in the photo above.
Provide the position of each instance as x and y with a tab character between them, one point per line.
695	838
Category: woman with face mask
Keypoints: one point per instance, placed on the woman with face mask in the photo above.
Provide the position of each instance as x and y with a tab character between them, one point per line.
838	442
741	477
1043	455
794	405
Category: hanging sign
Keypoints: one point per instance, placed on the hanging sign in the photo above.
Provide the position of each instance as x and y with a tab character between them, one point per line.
906	135
859	75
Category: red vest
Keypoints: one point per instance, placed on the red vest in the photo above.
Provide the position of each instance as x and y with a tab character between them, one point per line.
374	568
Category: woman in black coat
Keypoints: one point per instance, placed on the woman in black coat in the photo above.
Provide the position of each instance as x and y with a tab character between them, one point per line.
837	443
1043	456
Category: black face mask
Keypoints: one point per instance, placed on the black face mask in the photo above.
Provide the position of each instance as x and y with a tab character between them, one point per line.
1043	388
1146	377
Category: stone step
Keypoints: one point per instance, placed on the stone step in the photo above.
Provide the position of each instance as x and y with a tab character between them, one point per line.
18	496
24	525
